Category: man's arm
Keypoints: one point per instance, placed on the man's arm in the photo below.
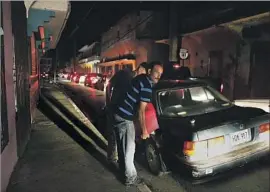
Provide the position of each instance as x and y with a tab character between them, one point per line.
141	114
110	87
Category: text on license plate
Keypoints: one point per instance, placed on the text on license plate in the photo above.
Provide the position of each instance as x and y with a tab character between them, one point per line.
240	137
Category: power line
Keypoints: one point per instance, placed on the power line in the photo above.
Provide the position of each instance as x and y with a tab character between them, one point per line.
84	18
131	30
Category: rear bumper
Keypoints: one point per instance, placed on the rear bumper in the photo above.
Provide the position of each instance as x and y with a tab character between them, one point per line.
226	162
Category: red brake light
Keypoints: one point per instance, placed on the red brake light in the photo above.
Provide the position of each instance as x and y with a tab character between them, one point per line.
221	88
264	127
189	148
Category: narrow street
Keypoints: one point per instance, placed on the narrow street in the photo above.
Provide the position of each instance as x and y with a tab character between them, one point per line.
251	178
212	109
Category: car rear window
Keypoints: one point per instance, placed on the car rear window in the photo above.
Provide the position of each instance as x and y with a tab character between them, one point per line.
191	101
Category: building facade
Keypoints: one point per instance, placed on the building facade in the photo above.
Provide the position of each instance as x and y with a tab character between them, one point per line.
132	41
88	59
238	52
25	32
231	44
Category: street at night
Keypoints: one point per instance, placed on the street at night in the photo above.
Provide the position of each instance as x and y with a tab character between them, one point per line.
139	96
252	177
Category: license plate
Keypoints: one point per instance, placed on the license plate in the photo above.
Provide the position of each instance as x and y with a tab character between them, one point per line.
240	137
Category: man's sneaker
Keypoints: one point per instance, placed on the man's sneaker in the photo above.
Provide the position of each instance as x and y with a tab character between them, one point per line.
137	181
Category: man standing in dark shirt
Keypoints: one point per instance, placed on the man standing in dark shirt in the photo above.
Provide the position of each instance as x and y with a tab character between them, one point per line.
132	105
115	93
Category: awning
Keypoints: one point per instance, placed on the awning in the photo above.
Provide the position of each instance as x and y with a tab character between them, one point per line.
88	47
93	59
119	62
52	15
238	25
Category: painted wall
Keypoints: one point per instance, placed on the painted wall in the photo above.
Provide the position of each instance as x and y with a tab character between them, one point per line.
236	58
121	31
34	77
9	155
22	65
217	39
136	36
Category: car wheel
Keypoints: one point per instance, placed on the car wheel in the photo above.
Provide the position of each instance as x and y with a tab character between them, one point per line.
153	155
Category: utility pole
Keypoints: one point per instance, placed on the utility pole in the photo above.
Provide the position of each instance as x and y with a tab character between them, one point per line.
174	38
74	56
56	64
73	33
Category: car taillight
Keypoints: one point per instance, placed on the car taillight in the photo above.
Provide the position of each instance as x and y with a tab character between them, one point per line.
195	148
264	128
221	87
94	79
189	148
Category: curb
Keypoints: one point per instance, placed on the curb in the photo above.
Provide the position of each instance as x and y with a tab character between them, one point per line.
142	187
77	129
84	119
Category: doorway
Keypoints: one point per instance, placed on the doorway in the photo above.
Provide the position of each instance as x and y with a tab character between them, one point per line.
259	71
215	65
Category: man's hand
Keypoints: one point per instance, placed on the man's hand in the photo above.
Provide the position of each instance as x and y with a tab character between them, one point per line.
145	135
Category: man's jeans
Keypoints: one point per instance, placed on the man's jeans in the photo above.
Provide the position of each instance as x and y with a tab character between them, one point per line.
112	146
125	135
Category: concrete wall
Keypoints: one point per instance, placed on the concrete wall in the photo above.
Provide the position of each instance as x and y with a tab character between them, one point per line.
34	77
20	85
22	65
218	39
121	31
136	36
9	155
236	59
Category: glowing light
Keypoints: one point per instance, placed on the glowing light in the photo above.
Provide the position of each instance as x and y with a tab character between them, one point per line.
176	66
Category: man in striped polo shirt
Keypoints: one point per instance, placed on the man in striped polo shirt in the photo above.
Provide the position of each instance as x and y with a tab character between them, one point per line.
133	105
115	92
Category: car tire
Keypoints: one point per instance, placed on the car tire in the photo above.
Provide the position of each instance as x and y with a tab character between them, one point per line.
153	157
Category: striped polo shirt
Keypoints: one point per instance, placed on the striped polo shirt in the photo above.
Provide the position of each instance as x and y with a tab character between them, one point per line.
140	90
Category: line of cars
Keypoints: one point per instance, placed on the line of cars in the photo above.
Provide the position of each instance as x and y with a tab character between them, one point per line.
94	80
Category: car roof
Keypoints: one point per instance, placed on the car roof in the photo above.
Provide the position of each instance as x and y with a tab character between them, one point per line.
170	84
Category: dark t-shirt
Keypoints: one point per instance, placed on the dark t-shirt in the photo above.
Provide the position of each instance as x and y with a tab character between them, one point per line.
118	86
140	90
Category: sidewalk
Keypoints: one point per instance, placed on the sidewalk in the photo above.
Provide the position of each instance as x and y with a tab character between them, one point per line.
59	158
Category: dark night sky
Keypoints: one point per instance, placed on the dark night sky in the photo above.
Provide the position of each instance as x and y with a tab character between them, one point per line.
95	17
